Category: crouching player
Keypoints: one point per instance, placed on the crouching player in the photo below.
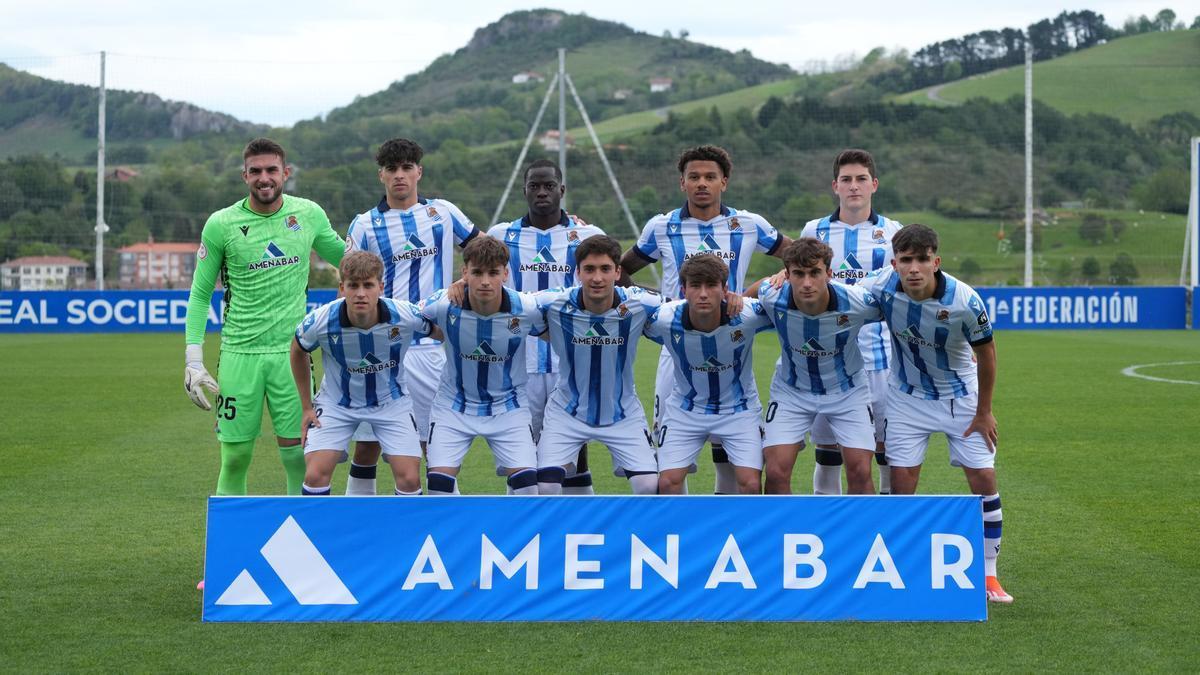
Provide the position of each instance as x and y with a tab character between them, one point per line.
482	390
821	372
942	378
363	338
594	330
714	393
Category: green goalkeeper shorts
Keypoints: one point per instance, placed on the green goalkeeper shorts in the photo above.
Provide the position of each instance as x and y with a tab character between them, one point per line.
245	381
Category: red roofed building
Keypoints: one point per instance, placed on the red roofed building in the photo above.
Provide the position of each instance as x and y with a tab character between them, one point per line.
43	273
152	264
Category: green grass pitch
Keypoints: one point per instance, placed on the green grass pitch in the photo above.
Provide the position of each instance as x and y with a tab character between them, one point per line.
107	466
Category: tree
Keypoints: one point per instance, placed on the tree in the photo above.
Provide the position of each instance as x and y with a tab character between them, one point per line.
969	269
1165	190
1196	23
1164	20
1123	271
1092	228
1118	228
1090	269
1063	272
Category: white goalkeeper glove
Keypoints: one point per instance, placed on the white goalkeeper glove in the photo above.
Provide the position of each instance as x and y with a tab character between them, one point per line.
196	378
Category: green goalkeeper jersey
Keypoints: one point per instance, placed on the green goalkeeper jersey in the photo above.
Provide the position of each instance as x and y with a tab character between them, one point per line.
263	263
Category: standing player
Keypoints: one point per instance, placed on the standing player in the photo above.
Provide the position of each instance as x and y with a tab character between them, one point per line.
415	236
541	248
594	330
260	247
702	225
861	241
820	372
713	394
482	389
363	338
942	379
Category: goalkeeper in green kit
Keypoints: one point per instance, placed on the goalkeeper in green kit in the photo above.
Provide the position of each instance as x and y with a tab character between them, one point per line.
260	248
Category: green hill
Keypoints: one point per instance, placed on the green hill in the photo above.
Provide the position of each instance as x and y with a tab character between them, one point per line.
1135	79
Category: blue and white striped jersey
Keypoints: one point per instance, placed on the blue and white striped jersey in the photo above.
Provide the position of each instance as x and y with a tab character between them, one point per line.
858	250
416	244
539	260
485	356
821	353
597	351
933	338
714	372
363	367
733	236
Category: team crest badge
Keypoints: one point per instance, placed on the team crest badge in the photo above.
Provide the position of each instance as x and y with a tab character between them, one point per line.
514	325
394	333
736	336
433	213
572	236
734	224
293	224
877	235
943	315
622	310
843	320
202	252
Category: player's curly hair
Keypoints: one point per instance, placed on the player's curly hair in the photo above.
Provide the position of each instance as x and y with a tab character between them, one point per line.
543	164
485	252
915	238
705	268
807	252
399	151
264	146
707	153
854	156
360	266
600	244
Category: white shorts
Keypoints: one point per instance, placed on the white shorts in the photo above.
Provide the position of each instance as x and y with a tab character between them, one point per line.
877	381
792	412
508	435
664	380
627	440
538	388
422	372
392	422
682	433
912	420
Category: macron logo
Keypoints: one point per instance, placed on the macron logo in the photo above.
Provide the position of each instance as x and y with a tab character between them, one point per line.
301	568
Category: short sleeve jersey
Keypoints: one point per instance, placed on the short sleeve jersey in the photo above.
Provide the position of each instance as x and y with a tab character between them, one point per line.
416	244
264	262
733	236
363	368
539	260
821	352
597	351
933	337
858	250
485	356
714	371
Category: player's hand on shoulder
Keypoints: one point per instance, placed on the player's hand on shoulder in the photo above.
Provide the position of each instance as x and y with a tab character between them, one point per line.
733	303
456	292
984	423
579	222
196	378
776	280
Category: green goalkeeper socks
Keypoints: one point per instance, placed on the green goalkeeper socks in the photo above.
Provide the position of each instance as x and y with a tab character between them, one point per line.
292	457
235	464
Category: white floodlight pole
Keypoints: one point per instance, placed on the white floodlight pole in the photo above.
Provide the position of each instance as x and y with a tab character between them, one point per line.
101	228
1028	161
1192	240
562	120
537	121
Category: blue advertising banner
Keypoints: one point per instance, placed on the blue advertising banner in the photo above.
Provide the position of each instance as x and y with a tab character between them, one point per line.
1196	307
1073	308
110	311
611	558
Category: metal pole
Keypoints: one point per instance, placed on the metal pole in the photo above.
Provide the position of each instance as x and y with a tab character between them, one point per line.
612	177
1192	240
1028	161
537	121
562	120
101	228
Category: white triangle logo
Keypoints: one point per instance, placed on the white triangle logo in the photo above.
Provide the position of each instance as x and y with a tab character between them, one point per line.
301	568
243	591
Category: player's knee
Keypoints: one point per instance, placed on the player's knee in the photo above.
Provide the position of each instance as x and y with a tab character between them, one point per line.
671	483
778	472
749	485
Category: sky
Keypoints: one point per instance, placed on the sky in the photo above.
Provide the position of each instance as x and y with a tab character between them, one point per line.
281	63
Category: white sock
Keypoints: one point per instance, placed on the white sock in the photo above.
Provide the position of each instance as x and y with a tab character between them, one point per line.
993	524
402	493
885	473
578	484
643	483
550	480
827	474
308	490
523	482
362	479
